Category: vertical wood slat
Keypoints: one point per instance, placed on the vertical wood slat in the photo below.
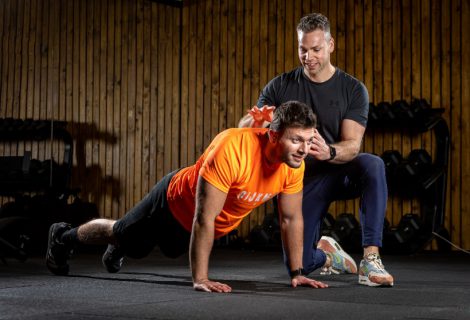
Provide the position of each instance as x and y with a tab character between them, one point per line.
185	111
95	190
3	34
199	143
138	116
175	92
125	202
131	102
397	74
192	45
221	107
232	120
23	81
160	95
5	55
116	115
406	57
215	70
168	101
112	69
415	75
16	83
456	110
464	223
446	103
368	36
390	22
108	107
145	57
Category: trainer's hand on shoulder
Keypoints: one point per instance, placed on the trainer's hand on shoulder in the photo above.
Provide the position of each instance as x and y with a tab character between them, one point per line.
211	286
307	282
262	114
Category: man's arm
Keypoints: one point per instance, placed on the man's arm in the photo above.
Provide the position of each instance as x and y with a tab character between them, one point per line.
292	229
209	203
347	149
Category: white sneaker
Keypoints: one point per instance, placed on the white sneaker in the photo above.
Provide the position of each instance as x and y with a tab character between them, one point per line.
341	262
372	272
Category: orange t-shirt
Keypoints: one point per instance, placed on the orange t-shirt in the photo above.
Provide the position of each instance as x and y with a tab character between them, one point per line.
233	163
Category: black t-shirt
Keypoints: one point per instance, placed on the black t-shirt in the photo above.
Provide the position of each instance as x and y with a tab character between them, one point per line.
341	97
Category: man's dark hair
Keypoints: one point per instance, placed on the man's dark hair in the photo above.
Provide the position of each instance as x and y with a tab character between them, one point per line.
293	114
314	21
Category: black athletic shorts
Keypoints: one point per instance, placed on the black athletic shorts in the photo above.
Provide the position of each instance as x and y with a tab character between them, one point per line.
151	223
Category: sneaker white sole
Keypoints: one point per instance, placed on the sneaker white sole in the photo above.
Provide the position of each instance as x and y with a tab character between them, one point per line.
336	245
364	280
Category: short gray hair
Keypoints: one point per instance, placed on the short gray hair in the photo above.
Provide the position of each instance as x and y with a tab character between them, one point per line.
314	21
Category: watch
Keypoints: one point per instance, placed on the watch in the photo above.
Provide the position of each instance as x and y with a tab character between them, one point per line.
296	272
332	152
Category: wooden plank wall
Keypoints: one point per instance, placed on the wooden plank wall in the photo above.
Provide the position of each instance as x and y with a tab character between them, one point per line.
145	86
109	68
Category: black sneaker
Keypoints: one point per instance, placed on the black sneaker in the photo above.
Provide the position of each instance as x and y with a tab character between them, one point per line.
112	259
58	252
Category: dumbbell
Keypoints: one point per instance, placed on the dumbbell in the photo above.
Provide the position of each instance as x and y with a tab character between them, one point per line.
408	228
417	163
344	227
403	110
374	114
328	223
420	106
385	111
392	159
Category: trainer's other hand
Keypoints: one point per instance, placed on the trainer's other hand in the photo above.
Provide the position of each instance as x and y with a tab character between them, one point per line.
307	282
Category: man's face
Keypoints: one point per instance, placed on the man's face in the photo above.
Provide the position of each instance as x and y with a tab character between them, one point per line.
293	145
314	51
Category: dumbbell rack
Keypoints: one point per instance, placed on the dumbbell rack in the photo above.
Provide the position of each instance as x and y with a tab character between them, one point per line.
431	188
25	179
20	175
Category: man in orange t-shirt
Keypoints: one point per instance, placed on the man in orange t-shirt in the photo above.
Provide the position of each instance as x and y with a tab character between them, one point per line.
189	208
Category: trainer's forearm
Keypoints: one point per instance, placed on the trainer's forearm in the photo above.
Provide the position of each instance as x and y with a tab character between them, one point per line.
249	122
346	151
246	121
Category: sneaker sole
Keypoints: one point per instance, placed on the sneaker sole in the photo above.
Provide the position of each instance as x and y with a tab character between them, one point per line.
111	268
335	245
60	271
364	280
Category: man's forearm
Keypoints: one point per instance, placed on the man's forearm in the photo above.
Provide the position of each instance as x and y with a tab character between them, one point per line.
346	151
202	239
292	235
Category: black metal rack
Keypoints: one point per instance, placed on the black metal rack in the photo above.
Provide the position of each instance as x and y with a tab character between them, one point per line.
430	188
20	175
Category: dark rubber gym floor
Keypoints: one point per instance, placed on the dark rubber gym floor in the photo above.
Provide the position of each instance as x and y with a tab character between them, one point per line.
427	286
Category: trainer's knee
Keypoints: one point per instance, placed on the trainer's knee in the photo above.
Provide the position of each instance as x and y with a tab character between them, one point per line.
371	164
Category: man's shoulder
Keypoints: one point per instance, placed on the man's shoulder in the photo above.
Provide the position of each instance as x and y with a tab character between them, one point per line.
348	78
294	74
233	134
288	76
